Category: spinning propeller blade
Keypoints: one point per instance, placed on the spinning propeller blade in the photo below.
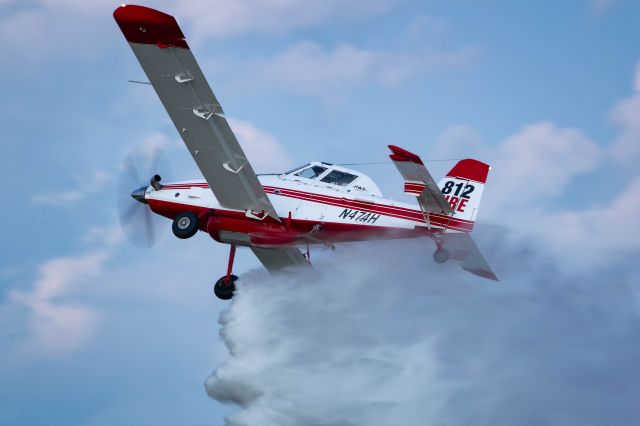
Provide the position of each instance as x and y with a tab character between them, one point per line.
139	223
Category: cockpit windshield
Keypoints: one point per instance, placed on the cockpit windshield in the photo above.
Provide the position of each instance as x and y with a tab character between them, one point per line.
311	172
337	177
324	175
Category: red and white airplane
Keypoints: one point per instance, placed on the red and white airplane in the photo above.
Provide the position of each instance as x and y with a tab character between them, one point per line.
275	214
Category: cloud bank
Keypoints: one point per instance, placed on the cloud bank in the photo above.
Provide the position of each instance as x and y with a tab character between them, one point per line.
221	19
58	325
383	336
311	68
544	162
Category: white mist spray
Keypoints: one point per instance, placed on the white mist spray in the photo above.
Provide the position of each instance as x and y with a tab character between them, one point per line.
383	336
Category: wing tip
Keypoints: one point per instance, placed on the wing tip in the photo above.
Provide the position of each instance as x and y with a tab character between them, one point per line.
488	274
141	24
401	154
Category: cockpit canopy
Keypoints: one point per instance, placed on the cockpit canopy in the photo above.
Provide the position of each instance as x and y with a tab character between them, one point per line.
332	176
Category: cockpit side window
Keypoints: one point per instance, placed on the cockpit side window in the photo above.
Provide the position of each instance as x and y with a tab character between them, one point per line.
339	178
311	172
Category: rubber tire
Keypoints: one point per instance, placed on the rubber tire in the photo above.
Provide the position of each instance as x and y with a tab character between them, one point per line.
225	291
179	229
441	255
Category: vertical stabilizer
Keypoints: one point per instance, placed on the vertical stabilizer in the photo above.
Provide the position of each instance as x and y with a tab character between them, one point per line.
463	186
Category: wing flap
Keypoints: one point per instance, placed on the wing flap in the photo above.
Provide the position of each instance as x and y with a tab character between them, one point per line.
277	259
419	182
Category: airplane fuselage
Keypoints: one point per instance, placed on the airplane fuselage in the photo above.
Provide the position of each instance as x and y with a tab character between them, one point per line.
309	213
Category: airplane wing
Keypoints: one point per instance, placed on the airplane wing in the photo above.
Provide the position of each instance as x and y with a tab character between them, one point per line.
160	46
276	259
463	249
418	181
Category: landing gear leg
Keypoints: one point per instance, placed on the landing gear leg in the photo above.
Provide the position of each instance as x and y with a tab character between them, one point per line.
226	285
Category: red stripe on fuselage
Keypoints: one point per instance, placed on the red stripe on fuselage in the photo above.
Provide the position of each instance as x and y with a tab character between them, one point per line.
384	209
332	232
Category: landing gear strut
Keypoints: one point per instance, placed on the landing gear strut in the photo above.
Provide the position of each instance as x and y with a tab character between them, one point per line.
441	255
226	285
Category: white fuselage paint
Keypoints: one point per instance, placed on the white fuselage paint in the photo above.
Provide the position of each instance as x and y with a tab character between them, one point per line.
312	200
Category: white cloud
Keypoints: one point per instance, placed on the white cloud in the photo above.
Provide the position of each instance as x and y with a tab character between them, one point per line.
539	162
103	236
599	7
534	167
428	26
25	28
263	149
39	30
459	141
309	67
152	144
266	154
92	183
57	325
608	227
225	19
535	164
626	148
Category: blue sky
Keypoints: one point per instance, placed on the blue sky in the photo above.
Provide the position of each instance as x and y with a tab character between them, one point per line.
95	331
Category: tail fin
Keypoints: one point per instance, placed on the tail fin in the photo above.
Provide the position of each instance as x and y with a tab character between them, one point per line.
463	187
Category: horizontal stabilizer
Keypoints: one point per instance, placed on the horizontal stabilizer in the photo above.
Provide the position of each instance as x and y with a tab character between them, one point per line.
418	181
463	249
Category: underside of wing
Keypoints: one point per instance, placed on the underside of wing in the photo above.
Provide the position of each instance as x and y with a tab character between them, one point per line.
463	249
277	259
161	48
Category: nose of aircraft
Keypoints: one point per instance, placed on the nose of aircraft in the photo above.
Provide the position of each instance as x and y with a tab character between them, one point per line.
138	194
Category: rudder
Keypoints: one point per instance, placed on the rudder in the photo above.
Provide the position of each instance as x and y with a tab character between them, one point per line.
462	187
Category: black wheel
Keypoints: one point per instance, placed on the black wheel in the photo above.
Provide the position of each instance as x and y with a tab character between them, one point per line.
185	225
224	290
441	255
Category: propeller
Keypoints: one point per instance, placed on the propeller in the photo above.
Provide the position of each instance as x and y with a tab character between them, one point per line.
141	169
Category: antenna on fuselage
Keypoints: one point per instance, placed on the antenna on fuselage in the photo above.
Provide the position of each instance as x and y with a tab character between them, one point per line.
390	162
139	82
